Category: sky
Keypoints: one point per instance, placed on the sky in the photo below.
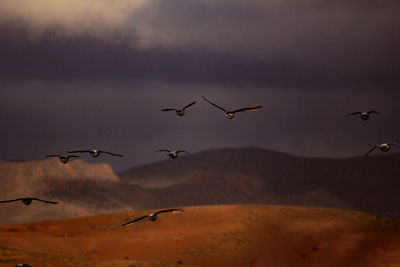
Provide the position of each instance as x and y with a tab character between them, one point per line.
95	75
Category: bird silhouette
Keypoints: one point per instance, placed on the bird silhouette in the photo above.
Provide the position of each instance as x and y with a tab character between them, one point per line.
231	114
153	216
28	200
172	154
385	147
94	153
180	112
63	159
364	115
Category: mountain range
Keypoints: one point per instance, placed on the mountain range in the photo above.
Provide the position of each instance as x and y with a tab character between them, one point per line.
220	176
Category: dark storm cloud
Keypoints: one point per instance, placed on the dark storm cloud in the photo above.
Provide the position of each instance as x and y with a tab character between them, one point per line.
277	43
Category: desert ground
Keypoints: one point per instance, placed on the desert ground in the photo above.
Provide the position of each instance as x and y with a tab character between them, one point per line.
228	235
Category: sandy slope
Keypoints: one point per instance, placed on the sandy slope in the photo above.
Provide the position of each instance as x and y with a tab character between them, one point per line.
209	236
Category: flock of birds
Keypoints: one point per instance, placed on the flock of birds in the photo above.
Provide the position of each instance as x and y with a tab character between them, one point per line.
64	159
365	115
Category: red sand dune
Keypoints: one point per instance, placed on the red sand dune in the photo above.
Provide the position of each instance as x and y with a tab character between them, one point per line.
240	235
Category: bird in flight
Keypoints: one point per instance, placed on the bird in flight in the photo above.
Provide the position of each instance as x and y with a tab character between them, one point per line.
63	159
364	115
385	147
28	200
153	216
94	153
180	112
172	154
231	114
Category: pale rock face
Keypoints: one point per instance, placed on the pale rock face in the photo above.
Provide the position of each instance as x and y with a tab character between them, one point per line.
40	178
21	178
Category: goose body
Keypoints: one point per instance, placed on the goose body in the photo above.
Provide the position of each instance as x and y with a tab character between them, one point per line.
95	153
28	200
179	112
364	115
153	216
230	114
171	154
63	159
385	147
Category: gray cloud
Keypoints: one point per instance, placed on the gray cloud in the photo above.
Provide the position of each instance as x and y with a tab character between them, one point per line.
282	43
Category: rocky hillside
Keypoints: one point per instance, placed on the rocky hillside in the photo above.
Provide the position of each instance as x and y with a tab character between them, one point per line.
222	176
254	175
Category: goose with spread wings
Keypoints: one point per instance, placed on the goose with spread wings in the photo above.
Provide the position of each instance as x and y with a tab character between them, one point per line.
231	114
364	115
172	154
28	200
385	147
180	112
153	216
95	153
63	159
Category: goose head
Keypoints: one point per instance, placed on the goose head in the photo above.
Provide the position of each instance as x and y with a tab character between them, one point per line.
173	155
27	201
229	115
384	147
64	160
364	116
94	153
152	217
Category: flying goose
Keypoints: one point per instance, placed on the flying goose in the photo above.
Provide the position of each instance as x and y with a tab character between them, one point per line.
172	154
364	115
153	216
28	200
94	153
63	159
385	147
230	114
180	112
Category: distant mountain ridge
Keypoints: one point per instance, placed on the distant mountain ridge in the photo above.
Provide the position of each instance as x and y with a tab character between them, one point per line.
255	175
219	176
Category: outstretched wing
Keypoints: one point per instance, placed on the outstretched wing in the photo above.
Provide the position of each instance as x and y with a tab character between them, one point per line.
371	150
50	156
213	104
78	151
135	220
162	150
373	111
394	144
191	104
117	155
45	201
247	109
182	151
354	113
5	201
168	210
168	109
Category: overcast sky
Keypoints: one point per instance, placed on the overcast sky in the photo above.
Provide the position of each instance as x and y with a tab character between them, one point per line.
84	74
